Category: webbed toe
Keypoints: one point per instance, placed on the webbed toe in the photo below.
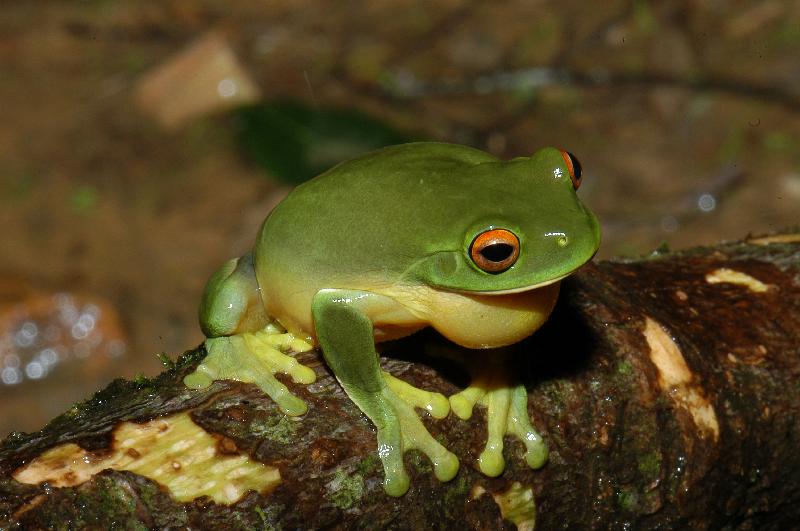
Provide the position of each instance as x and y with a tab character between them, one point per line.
256	358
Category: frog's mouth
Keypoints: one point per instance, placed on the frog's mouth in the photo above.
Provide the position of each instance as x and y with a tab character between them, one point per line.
523	288
536	286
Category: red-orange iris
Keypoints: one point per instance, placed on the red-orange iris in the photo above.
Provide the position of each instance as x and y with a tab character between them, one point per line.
574	168
494	250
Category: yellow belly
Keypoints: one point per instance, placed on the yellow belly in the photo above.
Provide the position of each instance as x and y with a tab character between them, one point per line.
481	321
470	320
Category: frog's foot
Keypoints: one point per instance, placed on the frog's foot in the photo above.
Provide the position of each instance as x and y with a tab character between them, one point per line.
400	429
255	358
434	403
507	414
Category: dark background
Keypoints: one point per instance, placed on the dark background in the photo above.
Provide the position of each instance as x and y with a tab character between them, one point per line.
684	115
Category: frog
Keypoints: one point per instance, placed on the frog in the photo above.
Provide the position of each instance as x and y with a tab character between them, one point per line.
424	234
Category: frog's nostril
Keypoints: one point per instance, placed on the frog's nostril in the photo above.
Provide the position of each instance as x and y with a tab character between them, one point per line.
561	238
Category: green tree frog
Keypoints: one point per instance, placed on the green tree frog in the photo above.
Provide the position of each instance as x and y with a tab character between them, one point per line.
409	236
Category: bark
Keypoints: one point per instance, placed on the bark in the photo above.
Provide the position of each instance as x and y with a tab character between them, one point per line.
667	388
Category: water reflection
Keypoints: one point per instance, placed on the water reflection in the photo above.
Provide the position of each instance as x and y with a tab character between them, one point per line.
41	333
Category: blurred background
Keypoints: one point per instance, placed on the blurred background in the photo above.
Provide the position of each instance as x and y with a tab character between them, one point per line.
142	143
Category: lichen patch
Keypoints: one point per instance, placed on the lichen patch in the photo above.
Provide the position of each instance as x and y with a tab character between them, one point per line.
731	276
476	492
675	378
172	451
518	506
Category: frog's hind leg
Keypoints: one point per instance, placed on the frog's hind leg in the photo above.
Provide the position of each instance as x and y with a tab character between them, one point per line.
231	302
243	344
507	413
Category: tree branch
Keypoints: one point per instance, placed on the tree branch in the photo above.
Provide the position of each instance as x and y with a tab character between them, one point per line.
667	388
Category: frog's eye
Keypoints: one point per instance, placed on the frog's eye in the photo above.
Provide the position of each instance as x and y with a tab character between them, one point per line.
574	168
494	250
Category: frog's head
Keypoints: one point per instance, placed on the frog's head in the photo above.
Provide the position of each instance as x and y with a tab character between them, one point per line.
522	227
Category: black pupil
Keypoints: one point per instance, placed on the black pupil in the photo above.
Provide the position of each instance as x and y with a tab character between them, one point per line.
497	252
576	165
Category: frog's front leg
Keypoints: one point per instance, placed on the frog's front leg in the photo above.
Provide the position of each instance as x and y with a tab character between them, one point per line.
243	344
507	413
345	332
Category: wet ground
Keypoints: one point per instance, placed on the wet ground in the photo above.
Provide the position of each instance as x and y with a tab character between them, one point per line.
684	115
